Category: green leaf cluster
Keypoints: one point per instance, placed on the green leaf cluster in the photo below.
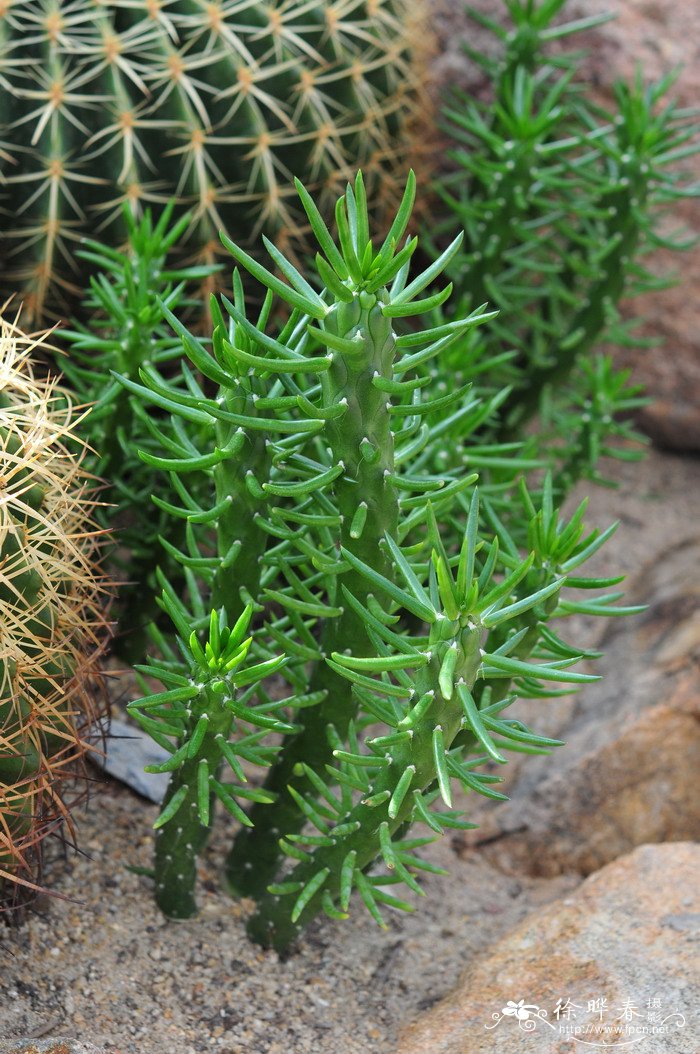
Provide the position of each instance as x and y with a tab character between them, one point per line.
561	200
125	333
400	609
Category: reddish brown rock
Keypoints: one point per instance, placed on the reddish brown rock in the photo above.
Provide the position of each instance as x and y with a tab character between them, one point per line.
620	953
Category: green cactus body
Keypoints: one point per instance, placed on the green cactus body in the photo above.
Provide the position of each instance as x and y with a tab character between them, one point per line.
371	824
353	564
444	712
126	333
622	207
367	502
199	714
184	823
240	542
179	842
507	193
236	582
50	592
560	201
364	442
198	710
230	98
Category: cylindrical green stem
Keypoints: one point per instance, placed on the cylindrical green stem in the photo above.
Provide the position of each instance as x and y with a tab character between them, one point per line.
240	541
272	924
362	440
240	545
623	207
182	838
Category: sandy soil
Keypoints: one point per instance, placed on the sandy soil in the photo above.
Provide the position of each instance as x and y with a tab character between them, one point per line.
105	966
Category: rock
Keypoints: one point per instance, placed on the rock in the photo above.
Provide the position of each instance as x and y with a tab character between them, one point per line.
127	750
620	953
659	36
627	774
49	1046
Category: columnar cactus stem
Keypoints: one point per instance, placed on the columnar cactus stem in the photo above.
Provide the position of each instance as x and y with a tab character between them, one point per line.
362	442
440	707
181	837
352	567
206	723
560	202
199	711
240	542
622	206
377	822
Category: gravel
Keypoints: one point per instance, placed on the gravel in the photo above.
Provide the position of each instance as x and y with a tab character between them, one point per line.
106	967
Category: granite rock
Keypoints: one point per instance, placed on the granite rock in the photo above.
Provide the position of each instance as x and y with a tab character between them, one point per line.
620	953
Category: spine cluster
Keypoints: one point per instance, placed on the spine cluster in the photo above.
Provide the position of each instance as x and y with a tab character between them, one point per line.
230	98
51	595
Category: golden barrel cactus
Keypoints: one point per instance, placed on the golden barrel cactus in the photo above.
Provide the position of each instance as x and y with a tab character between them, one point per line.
52	623
214	102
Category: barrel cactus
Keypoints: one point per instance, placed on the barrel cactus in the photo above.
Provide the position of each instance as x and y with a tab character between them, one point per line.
51	596
213	101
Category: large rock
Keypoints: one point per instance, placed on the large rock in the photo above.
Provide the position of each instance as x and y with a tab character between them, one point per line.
620	953
627	774
659	36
